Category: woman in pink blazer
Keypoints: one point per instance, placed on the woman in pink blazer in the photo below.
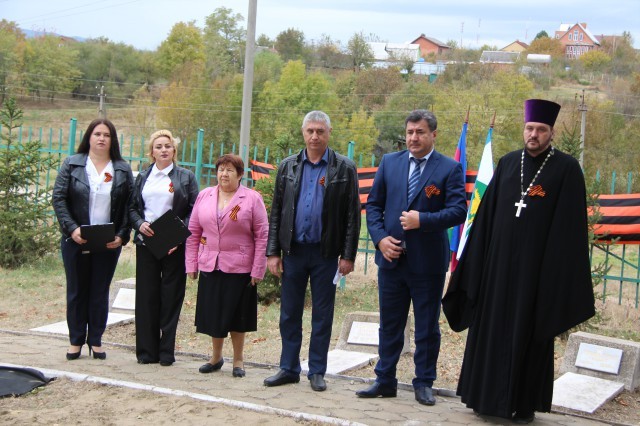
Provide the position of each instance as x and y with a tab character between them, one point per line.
229	228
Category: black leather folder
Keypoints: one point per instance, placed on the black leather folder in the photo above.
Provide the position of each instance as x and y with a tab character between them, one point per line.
97	237
168	231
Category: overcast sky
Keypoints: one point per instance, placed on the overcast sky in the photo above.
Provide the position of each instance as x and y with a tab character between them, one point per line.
146	23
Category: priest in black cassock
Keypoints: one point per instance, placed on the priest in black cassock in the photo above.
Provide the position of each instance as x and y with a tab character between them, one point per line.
524	276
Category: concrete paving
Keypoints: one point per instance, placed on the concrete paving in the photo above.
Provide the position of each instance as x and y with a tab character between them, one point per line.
337	405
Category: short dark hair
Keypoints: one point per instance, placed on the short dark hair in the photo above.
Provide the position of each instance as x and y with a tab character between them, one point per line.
422	114
85	145
234	160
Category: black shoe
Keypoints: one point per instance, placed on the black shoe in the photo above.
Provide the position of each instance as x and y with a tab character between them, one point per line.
146	361
376	390
166	363
73	355
210	368
238	372
317	382
281	378
97	355
424	395
521	418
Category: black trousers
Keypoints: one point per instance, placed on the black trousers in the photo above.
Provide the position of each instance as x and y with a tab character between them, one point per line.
160	288
88	280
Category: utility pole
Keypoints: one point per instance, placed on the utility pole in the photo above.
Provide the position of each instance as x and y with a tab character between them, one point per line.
461	32
247	89
102	113
583	127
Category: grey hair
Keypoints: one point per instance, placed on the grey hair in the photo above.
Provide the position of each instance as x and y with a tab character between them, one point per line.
422	114
316	116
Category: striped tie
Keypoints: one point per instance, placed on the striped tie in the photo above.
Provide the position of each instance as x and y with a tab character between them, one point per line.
414	179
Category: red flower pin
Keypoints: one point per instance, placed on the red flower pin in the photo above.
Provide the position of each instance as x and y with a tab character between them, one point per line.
171	187
431	190
108	177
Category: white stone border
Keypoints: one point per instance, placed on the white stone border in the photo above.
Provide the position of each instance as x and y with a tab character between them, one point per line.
202	397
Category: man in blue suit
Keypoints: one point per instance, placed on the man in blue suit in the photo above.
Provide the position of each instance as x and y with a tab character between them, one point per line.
417	194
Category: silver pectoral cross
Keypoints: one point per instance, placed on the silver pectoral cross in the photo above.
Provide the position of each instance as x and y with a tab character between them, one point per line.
520	205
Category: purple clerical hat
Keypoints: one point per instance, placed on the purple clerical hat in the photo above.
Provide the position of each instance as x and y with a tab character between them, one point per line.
541	111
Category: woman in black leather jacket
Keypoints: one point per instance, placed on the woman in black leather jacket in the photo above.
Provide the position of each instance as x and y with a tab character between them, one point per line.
160	283
92	187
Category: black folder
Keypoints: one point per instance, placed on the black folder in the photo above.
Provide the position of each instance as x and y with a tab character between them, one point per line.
97	237
168	231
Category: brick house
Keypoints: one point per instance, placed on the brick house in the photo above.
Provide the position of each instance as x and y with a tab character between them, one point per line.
576	39
430	45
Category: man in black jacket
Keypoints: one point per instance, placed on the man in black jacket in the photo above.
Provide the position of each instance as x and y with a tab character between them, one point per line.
313	236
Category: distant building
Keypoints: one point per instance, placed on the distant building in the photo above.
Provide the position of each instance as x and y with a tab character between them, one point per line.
430	45
392	53
499	57
576	39
516	46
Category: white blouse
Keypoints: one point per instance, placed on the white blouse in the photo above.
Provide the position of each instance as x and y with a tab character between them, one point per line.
100	192
157	193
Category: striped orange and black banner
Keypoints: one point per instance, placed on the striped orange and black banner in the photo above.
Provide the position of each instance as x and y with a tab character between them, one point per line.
366	175
620	218
260	170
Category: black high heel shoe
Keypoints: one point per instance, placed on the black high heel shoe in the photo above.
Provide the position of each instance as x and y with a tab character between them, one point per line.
74	355
97	355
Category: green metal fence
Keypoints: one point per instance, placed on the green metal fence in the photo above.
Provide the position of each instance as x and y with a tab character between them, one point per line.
621	261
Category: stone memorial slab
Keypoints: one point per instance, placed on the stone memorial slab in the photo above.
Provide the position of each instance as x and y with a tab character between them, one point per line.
629	366
599	358
61	327
583	393
340	361
114	290
125	299
364	333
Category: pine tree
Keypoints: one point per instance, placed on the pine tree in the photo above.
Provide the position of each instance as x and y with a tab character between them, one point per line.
26	224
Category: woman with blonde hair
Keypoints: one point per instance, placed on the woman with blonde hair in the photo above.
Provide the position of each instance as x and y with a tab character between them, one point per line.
160	283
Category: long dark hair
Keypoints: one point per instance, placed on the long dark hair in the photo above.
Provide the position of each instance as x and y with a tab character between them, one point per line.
114	150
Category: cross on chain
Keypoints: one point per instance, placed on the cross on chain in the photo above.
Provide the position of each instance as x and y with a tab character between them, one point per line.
520	205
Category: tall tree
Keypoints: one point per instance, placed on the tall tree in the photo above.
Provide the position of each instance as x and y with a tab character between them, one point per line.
541	34
50	66
283	104
12	45
290	45
360	52
183	45
224	41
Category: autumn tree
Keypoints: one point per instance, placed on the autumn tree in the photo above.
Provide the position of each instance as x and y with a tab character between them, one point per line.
594	60
183	45
547	46
327	53
360	128
541	34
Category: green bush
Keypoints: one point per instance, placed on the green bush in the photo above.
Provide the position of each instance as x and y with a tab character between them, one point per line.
28	231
